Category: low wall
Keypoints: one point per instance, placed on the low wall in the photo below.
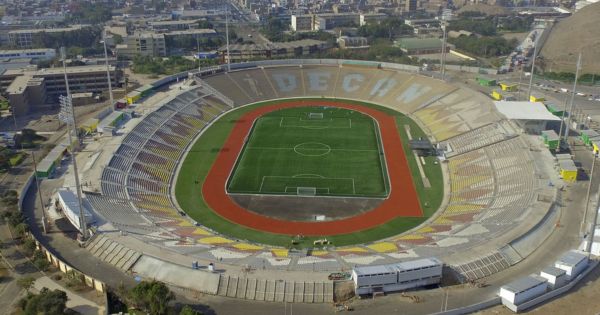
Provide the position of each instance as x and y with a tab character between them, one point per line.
532	239
65	268
554	293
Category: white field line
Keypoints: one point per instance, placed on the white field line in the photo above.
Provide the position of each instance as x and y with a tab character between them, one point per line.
316	149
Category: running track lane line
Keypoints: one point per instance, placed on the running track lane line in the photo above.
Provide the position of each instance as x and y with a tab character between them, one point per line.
402	201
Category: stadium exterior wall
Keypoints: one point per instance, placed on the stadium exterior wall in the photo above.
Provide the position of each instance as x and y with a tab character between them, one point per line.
91	282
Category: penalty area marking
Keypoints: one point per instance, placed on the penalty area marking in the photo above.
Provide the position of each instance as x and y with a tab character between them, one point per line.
315	124
307	176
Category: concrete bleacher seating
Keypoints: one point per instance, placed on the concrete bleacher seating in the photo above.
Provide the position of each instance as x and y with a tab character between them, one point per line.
492	179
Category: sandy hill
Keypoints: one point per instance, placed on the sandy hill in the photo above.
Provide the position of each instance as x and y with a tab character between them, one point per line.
577	33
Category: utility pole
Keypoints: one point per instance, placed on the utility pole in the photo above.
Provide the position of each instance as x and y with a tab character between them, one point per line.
573	97
562	120
68	114
227	38
587	197
535	52
590	237
110	92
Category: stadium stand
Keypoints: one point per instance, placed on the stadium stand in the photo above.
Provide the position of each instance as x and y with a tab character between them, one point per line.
493	181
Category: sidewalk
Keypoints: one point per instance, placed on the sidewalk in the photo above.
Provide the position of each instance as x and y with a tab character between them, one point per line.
75	302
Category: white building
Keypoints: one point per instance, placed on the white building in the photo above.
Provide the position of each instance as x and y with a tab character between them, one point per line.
573	263
42	53
396	277
70	207
556	277
523	290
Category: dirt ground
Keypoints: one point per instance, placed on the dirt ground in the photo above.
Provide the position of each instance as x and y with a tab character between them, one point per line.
562	47
305	208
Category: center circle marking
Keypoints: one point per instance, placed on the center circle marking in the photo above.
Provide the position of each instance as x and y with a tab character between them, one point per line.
317	149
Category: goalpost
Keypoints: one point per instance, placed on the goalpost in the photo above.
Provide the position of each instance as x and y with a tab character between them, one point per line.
315	115
306	191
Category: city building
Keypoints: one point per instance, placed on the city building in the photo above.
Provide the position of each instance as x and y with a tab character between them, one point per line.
370	18
42	53
143	44
410	6
328	21
176	25
245	52
352	42
25	94
395	277
29	90
25	38
301	22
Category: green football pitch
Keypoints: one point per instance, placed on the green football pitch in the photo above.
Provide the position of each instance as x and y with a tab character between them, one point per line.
322	151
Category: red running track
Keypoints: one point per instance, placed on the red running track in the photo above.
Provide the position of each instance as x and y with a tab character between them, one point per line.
402	201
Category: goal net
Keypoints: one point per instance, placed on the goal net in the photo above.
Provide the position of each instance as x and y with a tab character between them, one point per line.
315	115
306	191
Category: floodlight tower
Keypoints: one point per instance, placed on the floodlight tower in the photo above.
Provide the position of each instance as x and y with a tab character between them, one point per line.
110	92
67	114
227	37
535	52
445	38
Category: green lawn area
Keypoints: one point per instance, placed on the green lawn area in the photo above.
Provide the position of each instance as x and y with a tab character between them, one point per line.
17	158
334	153
203	153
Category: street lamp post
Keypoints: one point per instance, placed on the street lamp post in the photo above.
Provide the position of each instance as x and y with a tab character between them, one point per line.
573	95
37	185
110	92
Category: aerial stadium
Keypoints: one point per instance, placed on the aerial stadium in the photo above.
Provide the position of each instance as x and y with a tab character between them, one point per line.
289	166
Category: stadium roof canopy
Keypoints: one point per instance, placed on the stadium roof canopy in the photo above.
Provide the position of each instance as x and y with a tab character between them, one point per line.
525	111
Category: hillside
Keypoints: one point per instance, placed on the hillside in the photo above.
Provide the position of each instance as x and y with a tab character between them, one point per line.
577	33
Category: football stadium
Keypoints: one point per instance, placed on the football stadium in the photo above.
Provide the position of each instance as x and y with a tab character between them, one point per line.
316	165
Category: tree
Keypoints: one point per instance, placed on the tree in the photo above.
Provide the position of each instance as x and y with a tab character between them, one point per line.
187	310
10	197
46	302
153	297
26	282
22	228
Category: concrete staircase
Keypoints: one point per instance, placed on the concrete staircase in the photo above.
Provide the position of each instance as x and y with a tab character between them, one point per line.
113	252
275	290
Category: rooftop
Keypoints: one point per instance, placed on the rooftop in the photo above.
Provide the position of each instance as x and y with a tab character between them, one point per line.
567	165
173	22
72	70
48	30
524	111
571	258
17	51
407	265
419	43
18	85
551	270
523	284
192	32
